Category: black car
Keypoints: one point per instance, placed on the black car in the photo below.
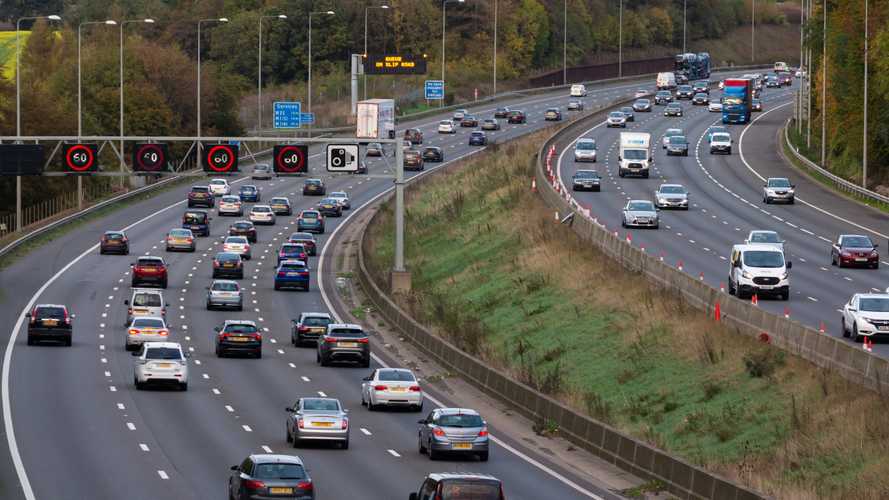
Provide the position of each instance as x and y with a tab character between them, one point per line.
448	485
700	99
516	116
228	265
49	322
238	336
663	97
114	242
469	121
702	86
684	92
270	476
642	106
198	221
329	207
314	187
501	112
200	196
478	138
433	154
586	180
678	145
243	228
628	112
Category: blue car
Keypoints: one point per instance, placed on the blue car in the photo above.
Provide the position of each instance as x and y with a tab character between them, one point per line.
198	221
310	221
292	274
478	138
249	193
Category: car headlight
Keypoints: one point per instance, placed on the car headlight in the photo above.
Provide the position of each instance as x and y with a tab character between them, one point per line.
785	275
746	275
662	200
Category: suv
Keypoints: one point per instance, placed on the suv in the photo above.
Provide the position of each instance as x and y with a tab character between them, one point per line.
49	322
198	221
310	221
414	135
866	315
778	189
238	335
478	138
457	486
161	362
114	241
314	186
309	327
758	269
149	269
145	302
200	196
413	160
341	342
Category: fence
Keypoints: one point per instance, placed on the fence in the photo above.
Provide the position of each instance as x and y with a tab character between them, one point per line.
602	71
48	209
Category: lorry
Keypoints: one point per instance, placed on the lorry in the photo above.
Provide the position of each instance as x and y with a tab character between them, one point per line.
692	66
635	154
737	100
666	81
376	119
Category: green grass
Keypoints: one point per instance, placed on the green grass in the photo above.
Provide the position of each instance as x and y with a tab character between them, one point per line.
7	51
494	274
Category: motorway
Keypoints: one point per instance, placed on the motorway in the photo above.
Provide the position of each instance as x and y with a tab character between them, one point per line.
726	203
78	429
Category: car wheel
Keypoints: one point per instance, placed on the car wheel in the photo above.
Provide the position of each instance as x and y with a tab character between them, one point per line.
731	287
483	456
259	354
792	201
287	437
139	385
855	336
219	352
843	327
431	452
183	386
785	295
876	265
345	444
421	448
728	152
68	342
418	408
767	200
209	306
324	361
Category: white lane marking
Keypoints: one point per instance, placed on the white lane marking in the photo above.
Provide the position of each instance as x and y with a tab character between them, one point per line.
205	376
813	299
112	388
215	391
144	447
197	362
321	393
163	475
266	449
107	373
131	426
280	351
120	406
365	431
305	379
394	453
229	409
246	428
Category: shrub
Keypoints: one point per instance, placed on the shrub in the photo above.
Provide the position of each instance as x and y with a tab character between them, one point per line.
763	362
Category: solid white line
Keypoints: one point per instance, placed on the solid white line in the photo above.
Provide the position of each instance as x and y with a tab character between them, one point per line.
394	453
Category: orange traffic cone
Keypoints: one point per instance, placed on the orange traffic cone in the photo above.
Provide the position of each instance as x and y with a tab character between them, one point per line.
717	312
754	300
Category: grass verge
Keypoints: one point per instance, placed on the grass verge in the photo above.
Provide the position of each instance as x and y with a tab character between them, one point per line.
496	276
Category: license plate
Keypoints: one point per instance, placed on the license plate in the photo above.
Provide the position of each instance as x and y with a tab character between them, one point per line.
883	327
50	322
860	259
462	446
347	344
281	491
240	339
766	287
397	389
228	265
140	311
323	424
164	365
316	330
292	274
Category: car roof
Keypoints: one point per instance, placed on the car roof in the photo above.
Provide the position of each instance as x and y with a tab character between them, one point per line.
271	458
171	345
638	201
149	257
114	232
217	180
779	179
444	476
872	295
671	185
457	411
51	305
147	290
756	246
673	131
345	325
235	237
395	370
239	322
281	198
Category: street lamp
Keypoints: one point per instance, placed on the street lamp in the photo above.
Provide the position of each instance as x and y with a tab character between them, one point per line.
384	7
620	39
18	109
684	26
443	5
753	31
495	47
565	43
326	13
824	93
259	76
122	24
214	20
109	22
864	151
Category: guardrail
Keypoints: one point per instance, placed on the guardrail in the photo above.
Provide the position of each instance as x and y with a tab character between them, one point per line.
680	477
838	182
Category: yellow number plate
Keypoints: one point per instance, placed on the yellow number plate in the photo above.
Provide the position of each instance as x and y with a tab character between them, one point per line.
164	365
240	339
397	389
50	322
323	424
281	491
462	446
347	344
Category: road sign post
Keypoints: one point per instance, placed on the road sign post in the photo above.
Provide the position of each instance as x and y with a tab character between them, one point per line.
288	114
434	90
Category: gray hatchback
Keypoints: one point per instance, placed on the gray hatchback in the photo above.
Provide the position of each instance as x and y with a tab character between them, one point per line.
454	430
270	476
343	342
225	293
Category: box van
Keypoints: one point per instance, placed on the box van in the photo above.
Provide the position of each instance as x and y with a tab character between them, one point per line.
666	81
198	221
760	269
634	154
578	90
145	302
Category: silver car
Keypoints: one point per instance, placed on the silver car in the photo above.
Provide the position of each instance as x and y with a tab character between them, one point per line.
374	149
616	119
181	239
322	419
640	213
778	189
146	329
585	150
392	387
161	362
767	237
342	198
262	214
238	245
230	205
671	196
225	293
576	105
262	171
454	430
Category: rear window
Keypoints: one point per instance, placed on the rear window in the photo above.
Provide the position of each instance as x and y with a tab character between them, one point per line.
301	236
293	266
147	300
148	323
180	233
114	236
395	376
292	248
313	181
310	215
470	490
240	328
163	353
346	332
236	239
279	471
321	405
277	201
225	287
460	421
231	199
149	262
226	257
262	209
316	321
248	189
50	312
195	218
200	189
243	225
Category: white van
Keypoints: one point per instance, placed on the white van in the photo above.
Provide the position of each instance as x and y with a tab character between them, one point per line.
666	81
578	90
760	269
145	302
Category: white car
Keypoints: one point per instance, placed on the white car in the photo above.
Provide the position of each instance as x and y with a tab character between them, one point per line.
262	214
866	315
447	127
392	387
146	329
640	93
714	107
238	245
342	198
778	189
230	205
578	90
766	237
145	302
585	150
219	187
161	362
721	142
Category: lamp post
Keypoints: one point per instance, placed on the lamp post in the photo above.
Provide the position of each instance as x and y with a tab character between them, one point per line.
366	9
684	26
326	13
753	31
444	3
18	108
864	137
620	39
109	22
202	21
121	25
824	93
495	47
565	42
259	72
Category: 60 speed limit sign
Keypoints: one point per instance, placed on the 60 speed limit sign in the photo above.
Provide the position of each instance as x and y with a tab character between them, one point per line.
291	159
80	158
220	158
149	157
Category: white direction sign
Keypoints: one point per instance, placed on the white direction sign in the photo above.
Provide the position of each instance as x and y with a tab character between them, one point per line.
342	157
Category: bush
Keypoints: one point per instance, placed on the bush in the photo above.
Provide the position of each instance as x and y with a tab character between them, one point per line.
763	362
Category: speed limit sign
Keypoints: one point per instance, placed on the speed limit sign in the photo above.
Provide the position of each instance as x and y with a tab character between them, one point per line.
291	159
220	158
80	158
149	157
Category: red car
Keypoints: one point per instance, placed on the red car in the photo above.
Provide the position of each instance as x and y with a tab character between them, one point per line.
149	269
854	250
307	240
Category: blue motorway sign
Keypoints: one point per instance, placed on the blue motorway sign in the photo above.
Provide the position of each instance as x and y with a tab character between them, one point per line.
307	118
434	90
288	114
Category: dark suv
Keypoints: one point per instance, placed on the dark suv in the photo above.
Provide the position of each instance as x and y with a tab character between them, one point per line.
343	342
460	487
198	221
238	336
200	196
49	322
149	269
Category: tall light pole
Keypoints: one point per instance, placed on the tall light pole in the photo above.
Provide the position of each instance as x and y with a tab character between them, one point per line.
366	9
824	93
495	47
326	13
109	22
620	39
259	72
753	31
565	42
684	25
809	82
18	108
444	3
147	20
799	100
864	137
202	21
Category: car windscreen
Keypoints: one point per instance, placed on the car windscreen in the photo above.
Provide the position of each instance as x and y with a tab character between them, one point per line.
586	145
194	218
779	183
763	258
874	305
616	114
672	189
459	420
857	242
240	328
320	405
677	139
586	174
50	312
765	238
310	321
163	353
225	287
641	206
147	300
395	376
470	490
643	102
148	323
721	138
635	154
278	471
346	332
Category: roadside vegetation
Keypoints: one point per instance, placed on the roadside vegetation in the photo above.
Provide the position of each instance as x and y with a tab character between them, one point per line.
494	273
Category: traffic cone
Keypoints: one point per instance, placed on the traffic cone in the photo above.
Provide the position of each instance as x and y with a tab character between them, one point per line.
754	300
717	312
533	185
557	216
679	265
701	276
629	238
821	327
786	312
721	287
868	344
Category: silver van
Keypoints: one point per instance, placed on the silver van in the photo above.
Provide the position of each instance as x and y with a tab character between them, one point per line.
145	302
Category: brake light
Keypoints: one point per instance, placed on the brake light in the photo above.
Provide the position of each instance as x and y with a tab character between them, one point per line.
215	263
304	273
253	484
302	328
330	340
282	273
415	388
362	341
163	332
304	485
133	331
438	432
380	388
129	310
34	316
257	337
483	432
